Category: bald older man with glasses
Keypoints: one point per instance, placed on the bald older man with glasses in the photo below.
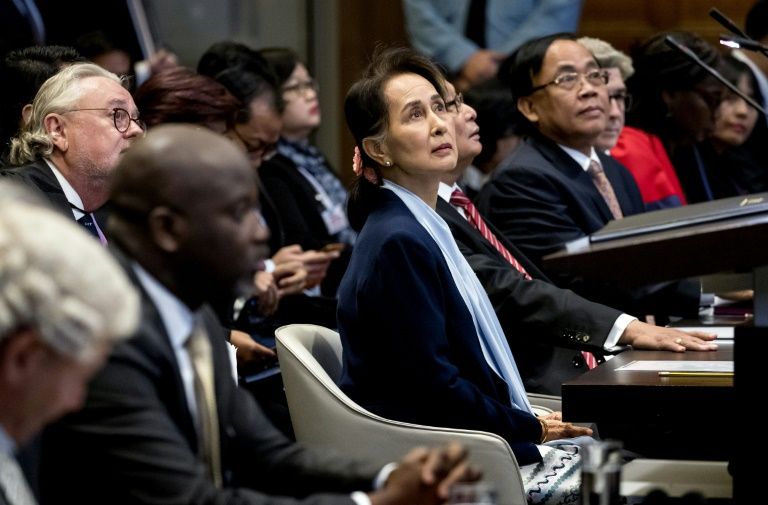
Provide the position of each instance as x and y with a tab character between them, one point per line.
82	121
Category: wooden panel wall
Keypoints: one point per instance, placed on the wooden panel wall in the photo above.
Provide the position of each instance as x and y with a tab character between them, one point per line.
627	22
364	23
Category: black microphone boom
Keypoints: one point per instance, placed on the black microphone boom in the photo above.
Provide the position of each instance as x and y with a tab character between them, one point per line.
732	27
726	22
714	73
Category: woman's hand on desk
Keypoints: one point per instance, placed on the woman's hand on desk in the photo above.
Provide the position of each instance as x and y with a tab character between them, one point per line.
641	335
557	429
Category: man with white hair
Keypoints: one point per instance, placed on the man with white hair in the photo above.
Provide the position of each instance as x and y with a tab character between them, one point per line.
82	121
619	68
58	321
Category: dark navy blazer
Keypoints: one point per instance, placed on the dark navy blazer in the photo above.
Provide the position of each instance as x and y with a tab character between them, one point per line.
411	351
540	198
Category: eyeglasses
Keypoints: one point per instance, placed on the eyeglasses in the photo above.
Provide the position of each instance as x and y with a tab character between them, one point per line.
302	88
623	100
121	117
569	80
267	149
455	104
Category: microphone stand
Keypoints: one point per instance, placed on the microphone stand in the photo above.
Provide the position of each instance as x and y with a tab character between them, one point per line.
714	73
742	39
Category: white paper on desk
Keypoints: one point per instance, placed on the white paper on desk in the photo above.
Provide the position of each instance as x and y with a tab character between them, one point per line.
721	332
678	366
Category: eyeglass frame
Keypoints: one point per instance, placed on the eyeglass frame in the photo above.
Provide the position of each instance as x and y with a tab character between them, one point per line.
269	150
302	88
557	81
626	100
141	124
457	101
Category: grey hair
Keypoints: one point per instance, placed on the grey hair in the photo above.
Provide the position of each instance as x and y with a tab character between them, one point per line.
60	282
58	94
608	56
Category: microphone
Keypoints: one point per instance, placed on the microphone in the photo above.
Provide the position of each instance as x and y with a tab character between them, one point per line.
742	39
714	73
741	42
726	23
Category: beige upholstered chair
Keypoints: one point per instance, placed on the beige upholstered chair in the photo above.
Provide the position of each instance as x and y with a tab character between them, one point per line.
325	418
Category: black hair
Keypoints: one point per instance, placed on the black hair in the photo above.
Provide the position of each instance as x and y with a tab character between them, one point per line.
660	67
496	115
756	22
244	72
282	61
22	73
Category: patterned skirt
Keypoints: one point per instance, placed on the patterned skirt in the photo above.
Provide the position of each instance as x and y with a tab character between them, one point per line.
557	478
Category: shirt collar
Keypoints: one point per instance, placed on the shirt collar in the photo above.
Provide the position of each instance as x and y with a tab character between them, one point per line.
69	191
445	191
177	318
579	157
7	445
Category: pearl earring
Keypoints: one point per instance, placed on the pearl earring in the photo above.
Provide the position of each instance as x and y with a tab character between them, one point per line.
388	163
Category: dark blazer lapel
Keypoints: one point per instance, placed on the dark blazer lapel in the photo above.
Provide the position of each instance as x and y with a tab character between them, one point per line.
567	165
153	331
462	227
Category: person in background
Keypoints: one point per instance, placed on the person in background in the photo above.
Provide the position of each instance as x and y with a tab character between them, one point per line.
619	68
554	334
756	27
471	37
421	341
22	72
58	322
497	119
308	195
730	167
557	187
82	121
163	421
674	105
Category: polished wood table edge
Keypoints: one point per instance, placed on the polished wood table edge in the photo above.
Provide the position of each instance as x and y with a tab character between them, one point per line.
607	375
707	248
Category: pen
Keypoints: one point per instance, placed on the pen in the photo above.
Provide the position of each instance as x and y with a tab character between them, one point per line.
695	374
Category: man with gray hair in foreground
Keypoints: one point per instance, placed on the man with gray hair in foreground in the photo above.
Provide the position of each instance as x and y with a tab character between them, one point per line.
63	303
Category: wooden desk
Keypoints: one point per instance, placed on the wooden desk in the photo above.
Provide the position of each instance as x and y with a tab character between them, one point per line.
658	417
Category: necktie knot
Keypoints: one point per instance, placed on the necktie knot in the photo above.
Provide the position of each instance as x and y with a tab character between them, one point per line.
459	199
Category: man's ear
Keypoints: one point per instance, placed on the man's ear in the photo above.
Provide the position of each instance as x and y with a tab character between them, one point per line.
22	357
54	126
167	228
377	151
26	113
527	108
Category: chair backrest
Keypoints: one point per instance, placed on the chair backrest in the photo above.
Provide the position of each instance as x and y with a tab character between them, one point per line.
324	417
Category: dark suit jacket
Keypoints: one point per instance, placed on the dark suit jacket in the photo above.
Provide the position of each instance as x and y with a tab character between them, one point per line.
39	177
135	442
542	322
295	210
540	198
411	351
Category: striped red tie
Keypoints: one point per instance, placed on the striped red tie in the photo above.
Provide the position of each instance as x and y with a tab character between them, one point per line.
459	199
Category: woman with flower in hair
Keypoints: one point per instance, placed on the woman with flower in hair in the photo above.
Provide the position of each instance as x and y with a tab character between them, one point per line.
421	340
